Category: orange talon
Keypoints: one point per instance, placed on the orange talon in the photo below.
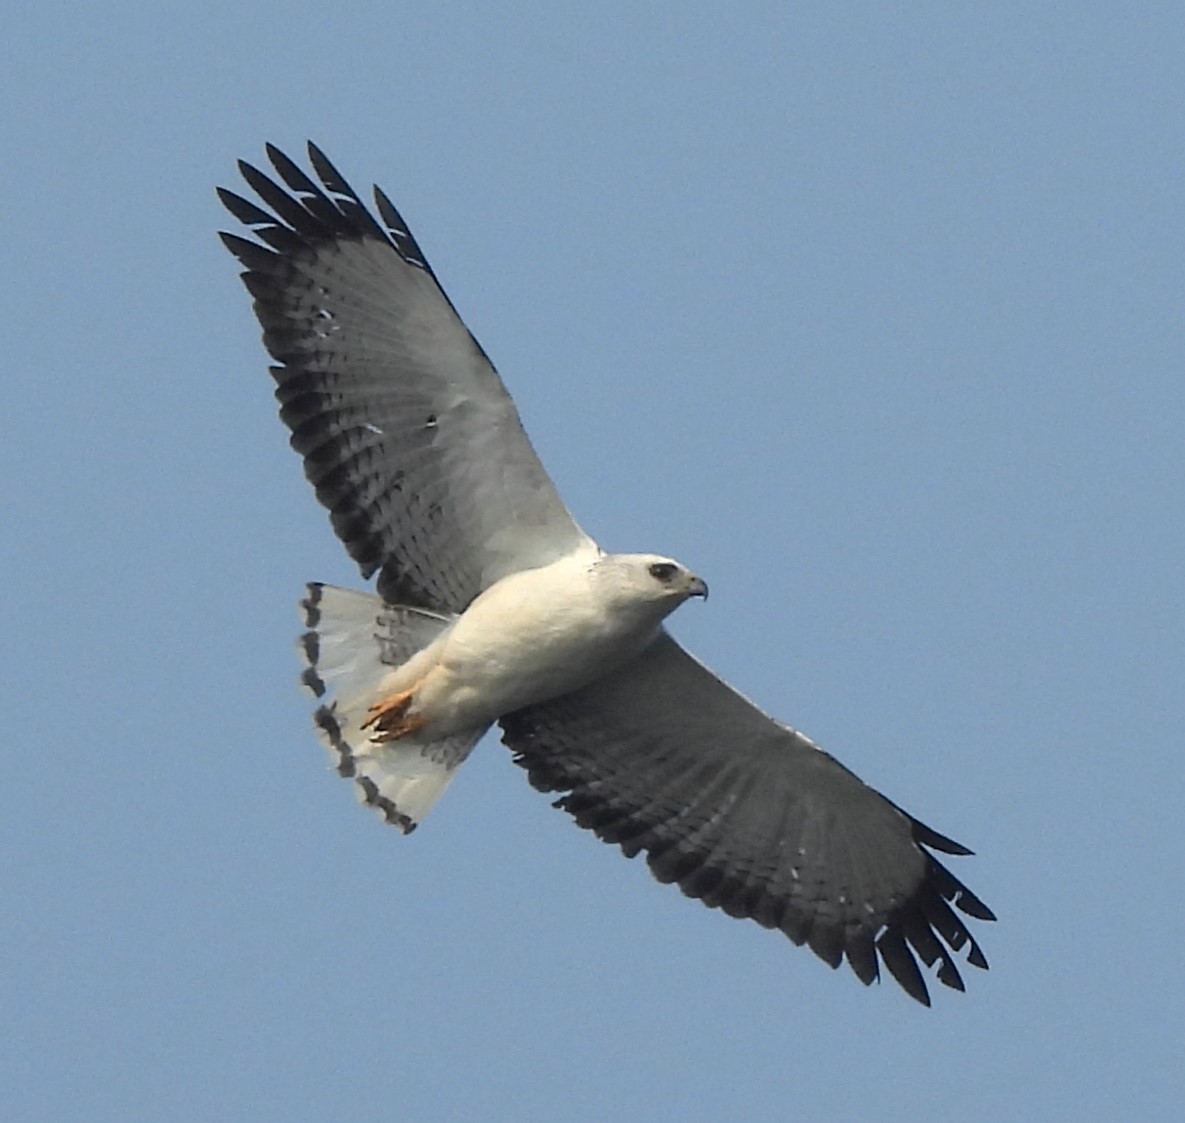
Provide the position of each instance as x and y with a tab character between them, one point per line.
389	718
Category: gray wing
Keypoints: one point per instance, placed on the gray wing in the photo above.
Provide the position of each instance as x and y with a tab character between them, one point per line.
749	816
408	435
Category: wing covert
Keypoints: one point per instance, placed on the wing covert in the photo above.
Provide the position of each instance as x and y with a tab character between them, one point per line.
408	434
750	816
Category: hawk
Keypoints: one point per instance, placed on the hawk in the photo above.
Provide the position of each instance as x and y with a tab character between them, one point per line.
493	606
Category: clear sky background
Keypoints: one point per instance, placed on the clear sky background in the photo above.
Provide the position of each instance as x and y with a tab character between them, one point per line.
871	314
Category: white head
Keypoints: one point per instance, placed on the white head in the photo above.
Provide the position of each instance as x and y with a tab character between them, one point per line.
646	585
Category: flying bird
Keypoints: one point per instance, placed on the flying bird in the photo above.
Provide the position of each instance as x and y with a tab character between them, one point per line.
493	606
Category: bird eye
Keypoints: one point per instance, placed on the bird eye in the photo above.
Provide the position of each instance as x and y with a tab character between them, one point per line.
663	571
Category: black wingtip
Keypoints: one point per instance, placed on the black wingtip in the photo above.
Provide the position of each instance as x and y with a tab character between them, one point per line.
902	966
317	156
329	175
243	209
291	172
928	836
969	903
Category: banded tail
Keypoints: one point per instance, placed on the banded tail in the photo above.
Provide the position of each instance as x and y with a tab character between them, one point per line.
355	640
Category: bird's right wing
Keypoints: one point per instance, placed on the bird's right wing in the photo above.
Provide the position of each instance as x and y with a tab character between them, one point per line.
408	434
749	816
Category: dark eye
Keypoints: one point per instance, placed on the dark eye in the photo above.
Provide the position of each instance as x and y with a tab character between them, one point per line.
663	571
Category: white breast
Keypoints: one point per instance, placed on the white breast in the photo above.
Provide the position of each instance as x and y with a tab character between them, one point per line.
533	636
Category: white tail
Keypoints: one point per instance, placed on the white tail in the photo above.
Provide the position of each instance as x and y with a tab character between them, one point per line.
354	641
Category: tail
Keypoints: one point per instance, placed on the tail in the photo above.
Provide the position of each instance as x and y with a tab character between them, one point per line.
354	640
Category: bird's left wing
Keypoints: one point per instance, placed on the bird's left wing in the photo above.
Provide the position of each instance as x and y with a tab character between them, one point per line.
750	816
407	432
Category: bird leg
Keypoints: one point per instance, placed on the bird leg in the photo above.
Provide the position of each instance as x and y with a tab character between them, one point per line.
390	719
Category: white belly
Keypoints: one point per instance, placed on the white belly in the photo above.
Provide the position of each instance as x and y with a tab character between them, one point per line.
531	637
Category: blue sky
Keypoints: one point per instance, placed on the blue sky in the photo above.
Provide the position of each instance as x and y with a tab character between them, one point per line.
871	314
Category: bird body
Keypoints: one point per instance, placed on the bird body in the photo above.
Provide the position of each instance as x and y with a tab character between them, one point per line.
530	637
492	605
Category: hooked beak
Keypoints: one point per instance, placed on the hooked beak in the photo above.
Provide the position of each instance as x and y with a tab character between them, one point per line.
696	586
